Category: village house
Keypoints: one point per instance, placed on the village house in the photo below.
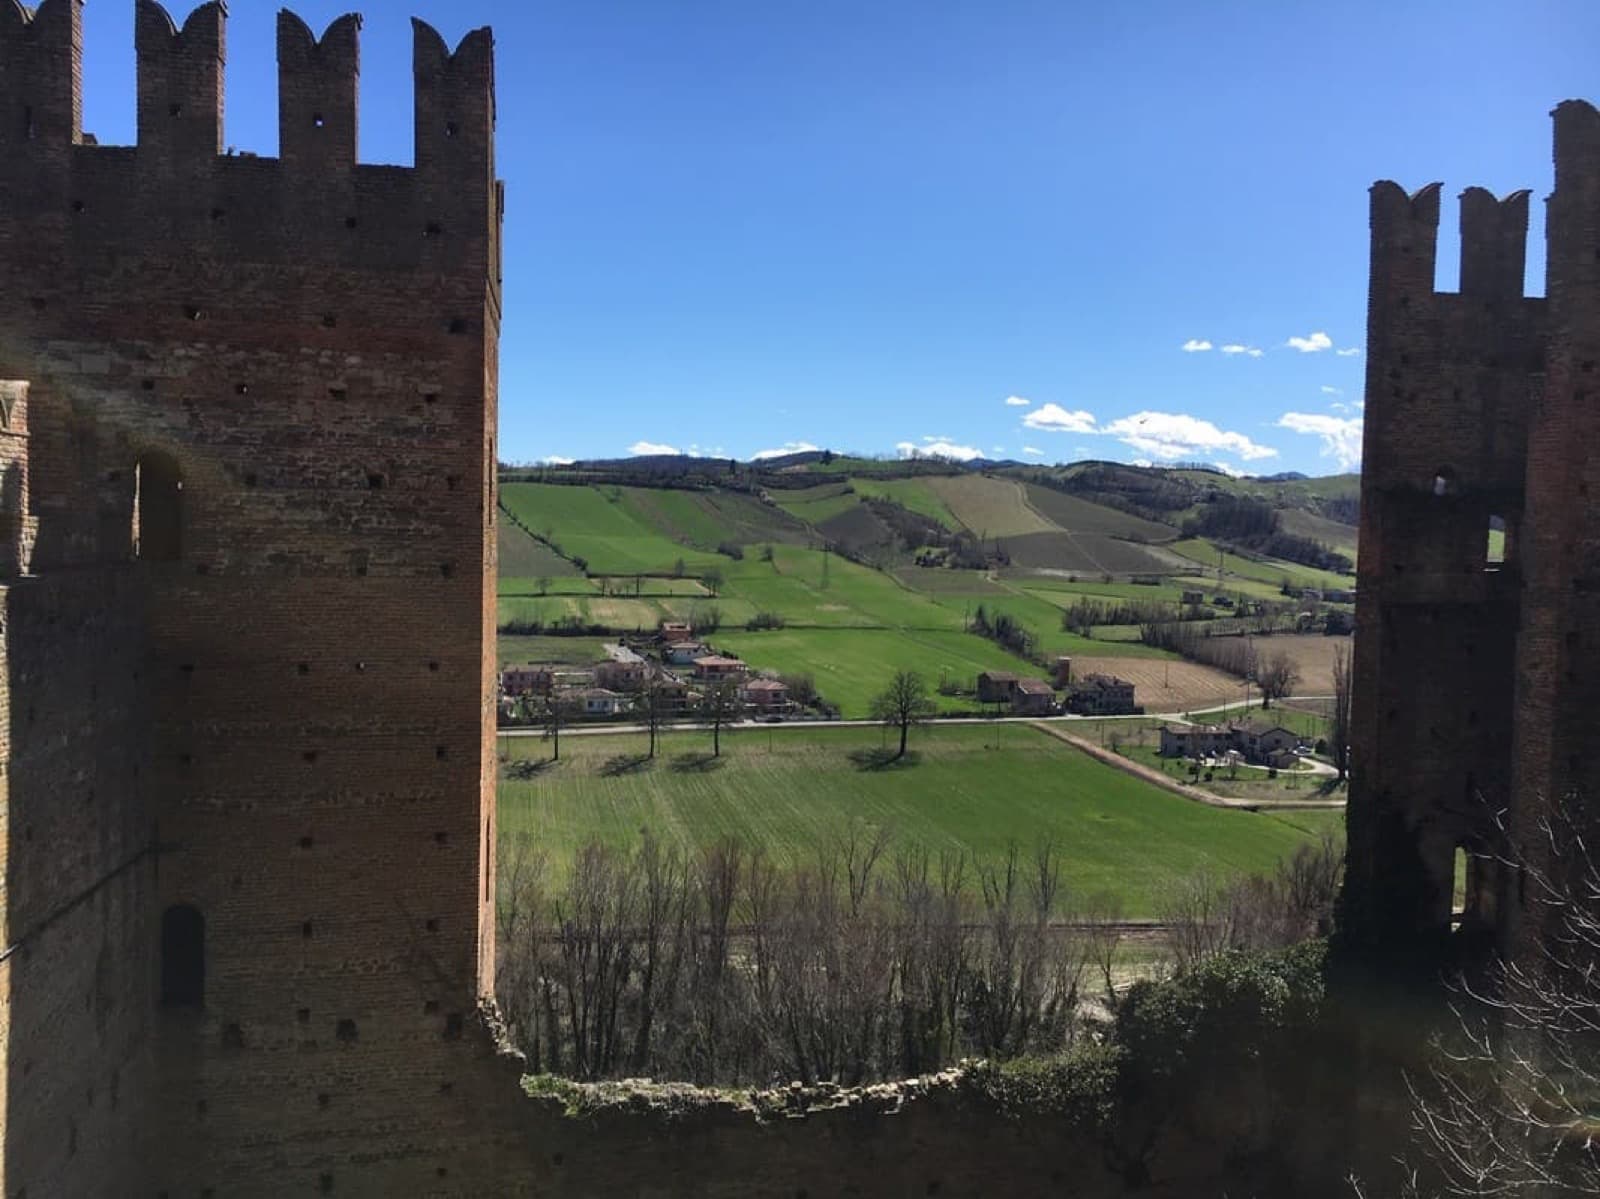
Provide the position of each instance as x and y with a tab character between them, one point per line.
996	686
766	695
623	670
673	695
1256	742
674	630
597	701
1194	597
714	668
683	653
526	680
1033	697
1102	695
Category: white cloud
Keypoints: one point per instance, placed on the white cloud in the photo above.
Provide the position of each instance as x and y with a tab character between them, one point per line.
938	448
652	447
1314	344
1175	435
997	449
1032	451
1341	436
556	460
1233	472
1348	351
1053	418
1017	402
788	447
1234	347
1332	391
1196	345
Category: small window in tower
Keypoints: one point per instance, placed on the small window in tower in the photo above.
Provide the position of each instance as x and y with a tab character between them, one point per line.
316	120
1496	554
1444	481
183	957
158	491
1458	885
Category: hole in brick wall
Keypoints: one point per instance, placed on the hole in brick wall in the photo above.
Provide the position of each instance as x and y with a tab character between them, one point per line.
1444	481
1588	367
451	129
433	925
433	666
431	397
375	482
200	1107
447	1088
303	1015
174	110
305	842
185	759
306	930
1472	718
430	1007
310	755
250	479
77	206
338	393
325	1183
38	303
453	1024
558	1159
202	569
304	668
183	961
187	668
316	120
432	229
147	384
458	326
217	214
441	838
441	752
350	222
329	321
361	667
323	1099
452	481
1405	301
191	312
345	1031
242	389
442	1172
446	569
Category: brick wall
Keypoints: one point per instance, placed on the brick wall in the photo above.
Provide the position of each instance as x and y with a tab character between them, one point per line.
283	721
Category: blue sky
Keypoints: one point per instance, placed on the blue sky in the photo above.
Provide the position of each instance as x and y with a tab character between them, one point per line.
881	226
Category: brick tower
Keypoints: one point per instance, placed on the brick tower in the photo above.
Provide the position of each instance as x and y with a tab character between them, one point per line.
1476	680
247	585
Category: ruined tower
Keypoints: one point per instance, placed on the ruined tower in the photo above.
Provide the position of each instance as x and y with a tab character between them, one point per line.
246	584
1476	681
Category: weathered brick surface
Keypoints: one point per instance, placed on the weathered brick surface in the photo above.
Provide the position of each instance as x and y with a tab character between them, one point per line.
285	726
1473	682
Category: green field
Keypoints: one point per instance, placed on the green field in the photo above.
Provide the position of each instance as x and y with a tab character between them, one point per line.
1268	570
525	557
598	525
853	665
793	790
1080	516
915	494
989	506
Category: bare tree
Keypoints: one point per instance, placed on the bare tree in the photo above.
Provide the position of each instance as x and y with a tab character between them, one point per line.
1277	676
1507	1107
1339	723
903	703
711	578
655	711
555	716
718	706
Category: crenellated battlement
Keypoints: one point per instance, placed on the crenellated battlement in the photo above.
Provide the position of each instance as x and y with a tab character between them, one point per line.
1405	241
177	184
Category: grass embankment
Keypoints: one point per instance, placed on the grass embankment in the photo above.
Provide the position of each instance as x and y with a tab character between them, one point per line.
793	790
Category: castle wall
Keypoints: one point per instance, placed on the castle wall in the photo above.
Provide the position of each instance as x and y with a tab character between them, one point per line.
297	354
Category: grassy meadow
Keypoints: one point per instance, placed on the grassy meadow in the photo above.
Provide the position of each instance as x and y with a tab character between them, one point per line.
973	789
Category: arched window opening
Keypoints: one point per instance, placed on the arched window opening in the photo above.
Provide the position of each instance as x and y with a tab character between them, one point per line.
1460	868
1475	896
183	957
158	486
